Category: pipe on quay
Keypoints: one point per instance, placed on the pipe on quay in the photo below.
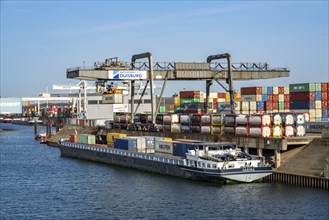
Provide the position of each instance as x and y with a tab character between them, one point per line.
299	180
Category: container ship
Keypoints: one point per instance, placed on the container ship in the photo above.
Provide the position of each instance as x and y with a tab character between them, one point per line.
188	159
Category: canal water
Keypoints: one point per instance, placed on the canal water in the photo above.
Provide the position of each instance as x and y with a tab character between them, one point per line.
37	183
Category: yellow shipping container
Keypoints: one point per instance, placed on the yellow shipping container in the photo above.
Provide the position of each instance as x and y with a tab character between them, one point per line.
237	97
167	138
111	136
177	101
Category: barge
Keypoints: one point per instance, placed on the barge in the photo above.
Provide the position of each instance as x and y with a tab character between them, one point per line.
214	162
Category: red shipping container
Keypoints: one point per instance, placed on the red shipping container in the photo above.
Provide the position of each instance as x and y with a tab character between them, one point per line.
275	98
312	96
189	94
221	95
251	90
270	98
281	89
286	97
268	105
286	104
275	105
324	96
301	96
324	87
324	104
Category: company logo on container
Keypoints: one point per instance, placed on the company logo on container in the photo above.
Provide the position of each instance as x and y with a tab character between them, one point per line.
116	74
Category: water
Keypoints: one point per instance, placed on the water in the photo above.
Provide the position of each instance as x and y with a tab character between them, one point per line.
37	183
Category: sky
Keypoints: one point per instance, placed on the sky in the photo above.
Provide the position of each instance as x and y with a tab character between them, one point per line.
41	39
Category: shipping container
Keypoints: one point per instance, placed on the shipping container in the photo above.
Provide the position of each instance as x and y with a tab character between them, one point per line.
251	91
181	148
275	90
269	90
300	130
289	131
245	106
241	131
228	130
86	139
264	131
184	119
277	119
206	119
288	119
229	120
216	119
189	94
205	129
277	131
216	130
175	128
241	119
195	128
300	104
264	91
260	106
189	100
247	98
299	87
74	138
164	147
185	129
110	137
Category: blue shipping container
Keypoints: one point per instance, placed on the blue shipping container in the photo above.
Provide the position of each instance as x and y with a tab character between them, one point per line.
125	144
269	90
324	112
264	98
300	105
318	96
180	148
260	105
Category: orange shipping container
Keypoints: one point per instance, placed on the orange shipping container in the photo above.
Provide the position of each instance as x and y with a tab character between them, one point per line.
74	138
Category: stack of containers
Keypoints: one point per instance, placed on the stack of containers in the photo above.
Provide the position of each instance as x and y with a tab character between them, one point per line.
184	120
110	137
195	123
190	102
300	124
241	125
249	98
277	130
171	123
311	98
229	124
159	121
216	124
205	124
324	101
260	125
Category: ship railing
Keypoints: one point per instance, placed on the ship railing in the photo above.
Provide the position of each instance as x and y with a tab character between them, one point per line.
141	155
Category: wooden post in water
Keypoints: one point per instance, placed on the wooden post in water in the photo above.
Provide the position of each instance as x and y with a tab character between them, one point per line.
35	128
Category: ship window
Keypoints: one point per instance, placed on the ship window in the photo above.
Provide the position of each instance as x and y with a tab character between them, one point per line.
92	102
214	166
199	164
208	165
203	165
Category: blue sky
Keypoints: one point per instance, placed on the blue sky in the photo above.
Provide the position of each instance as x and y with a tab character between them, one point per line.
40	40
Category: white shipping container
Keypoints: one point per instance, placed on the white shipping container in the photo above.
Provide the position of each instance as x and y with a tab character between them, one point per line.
205	129
241	131
289	131
245	106
318	104
238	106
165	147
318	113
300	119
277	119
281	98
140	143
241	119
112	98
275	90
289	119
258	98
300	131
213	95
252	106
312	113
175	128
286	90
221	100
247	98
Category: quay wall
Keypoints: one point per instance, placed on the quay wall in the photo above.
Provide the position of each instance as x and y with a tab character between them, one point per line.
298	180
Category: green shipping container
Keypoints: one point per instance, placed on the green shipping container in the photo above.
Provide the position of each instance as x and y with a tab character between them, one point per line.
299	87
315	87
189	100
281	105
86	139
162	109
178	109
264	90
